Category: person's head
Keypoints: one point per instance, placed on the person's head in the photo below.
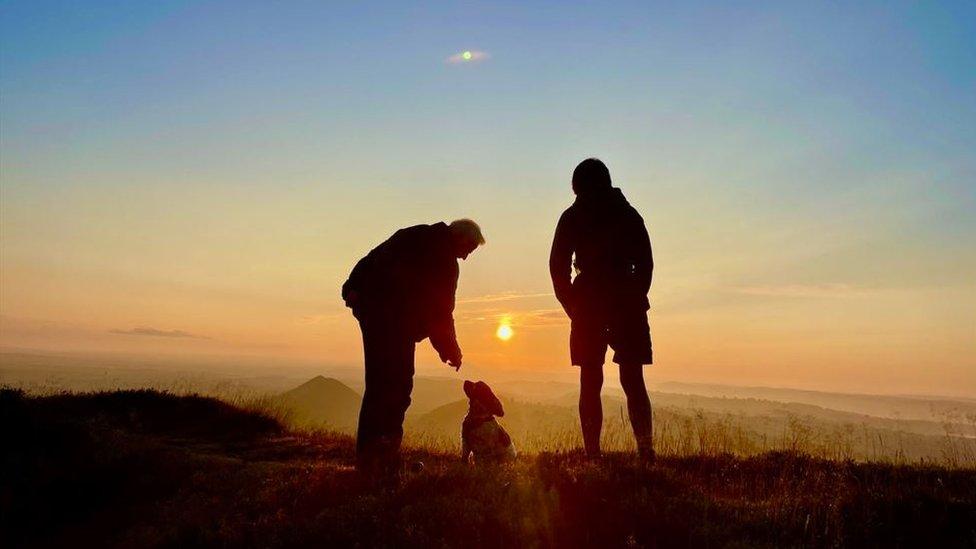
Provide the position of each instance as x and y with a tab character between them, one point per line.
465	236
591	176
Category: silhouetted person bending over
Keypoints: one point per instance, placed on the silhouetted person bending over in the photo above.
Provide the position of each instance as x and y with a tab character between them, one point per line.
401	293
607	301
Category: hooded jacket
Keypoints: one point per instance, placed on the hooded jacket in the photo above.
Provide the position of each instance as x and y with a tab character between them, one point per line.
613	258
409	282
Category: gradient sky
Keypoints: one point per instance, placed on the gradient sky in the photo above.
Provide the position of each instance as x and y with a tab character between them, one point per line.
199	178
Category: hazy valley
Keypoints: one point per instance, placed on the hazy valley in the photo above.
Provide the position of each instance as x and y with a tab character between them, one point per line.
541	415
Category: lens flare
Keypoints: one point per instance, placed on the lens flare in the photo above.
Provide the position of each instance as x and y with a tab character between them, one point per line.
504	332
468	56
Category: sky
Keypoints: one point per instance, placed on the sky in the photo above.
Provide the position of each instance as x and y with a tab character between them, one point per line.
196	179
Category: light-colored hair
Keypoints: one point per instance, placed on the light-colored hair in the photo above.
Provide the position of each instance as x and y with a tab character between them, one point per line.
468	229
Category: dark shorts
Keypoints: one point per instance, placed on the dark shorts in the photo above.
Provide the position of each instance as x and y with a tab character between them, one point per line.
624	329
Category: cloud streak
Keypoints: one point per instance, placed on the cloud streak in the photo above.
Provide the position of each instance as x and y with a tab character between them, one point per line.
533	318
313	319
805	290
468	56
504	296
154	332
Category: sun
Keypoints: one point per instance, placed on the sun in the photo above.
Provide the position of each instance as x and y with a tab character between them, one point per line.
504	332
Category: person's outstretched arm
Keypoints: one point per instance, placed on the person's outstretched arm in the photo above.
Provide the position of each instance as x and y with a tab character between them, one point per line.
442	334
561	263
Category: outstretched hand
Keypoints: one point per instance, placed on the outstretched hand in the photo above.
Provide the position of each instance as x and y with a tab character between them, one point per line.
453	359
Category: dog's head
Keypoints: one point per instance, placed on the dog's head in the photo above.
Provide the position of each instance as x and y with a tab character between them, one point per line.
480	395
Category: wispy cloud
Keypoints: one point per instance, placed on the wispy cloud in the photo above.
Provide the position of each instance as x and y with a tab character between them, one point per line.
154	332
836	290
468	56
520	309
534	318
504	296
309	320
543	318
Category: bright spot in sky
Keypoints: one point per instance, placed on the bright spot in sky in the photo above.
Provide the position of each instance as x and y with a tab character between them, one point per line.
468	56
504	332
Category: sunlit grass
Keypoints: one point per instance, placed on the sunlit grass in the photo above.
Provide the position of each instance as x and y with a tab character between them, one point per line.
677	432
697	435
191	471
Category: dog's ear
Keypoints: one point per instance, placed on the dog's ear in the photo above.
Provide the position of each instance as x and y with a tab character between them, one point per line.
489	400
496	407
469	389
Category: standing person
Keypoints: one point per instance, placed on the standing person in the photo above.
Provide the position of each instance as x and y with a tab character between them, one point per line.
607	302
403	292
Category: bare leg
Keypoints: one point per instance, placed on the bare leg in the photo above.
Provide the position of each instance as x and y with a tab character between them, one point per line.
638	407
590	407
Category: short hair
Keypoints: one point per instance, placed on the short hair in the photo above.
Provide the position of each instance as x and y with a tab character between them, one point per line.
591	175
468	229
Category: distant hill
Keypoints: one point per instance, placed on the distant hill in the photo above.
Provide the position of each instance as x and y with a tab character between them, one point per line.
531	424
432	392
754	409
323	402
443	422
740	425
429	392
903	407
537	391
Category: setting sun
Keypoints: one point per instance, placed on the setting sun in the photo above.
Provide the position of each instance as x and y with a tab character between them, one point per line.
504	332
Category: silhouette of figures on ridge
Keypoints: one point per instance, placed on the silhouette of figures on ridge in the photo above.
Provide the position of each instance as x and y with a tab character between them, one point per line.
604	238
401	293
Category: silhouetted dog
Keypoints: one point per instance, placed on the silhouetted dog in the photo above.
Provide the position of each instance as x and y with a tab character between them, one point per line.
481	435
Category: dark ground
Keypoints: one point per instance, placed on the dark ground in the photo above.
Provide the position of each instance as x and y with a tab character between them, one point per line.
142	468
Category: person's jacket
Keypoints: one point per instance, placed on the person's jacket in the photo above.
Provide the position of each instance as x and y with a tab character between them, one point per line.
612	251
409	281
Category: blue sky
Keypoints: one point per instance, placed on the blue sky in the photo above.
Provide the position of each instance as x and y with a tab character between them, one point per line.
776	149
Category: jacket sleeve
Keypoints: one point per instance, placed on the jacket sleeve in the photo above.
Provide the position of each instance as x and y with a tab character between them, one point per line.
441	309
643	257
561	262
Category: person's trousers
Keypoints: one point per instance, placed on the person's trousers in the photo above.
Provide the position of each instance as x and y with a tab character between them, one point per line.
389	356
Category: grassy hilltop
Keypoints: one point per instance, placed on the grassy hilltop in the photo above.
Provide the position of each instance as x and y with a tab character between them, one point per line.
145	468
